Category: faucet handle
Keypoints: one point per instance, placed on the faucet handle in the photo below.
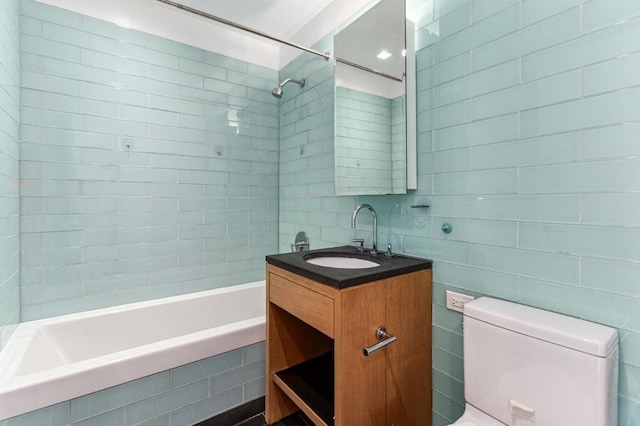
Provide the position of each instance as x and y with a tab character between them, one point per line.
301	245
389	252
361	241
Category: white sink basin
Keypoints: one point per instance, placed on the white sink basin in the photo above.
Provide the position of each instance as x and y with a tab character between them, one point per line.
342	262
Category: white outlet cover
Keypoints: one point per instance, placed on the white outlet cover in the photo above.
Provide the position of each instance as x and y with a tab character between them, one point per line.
456	301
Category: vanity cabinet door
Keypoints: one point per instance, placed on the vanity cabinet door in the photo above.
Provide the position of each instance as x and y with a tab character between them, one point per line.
391	386
408	360
359	380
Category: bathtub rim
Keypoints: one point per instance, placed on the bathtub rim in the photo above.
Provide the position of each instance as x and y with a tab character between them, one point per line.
45	389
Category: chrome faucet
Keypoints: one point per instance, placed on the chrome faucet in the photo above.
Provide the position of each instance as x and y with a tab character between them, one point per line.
375	223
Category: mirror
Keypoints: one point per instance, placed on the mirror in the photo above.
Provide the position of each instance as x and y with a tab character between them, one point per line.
375	103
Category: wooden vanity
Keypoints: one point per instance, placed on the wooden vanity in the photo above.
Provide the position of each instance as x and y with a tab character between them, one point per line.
316	333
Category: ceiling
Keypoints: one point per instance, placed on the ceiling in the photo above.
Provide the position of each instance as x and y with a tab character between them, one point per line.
304	22
282	18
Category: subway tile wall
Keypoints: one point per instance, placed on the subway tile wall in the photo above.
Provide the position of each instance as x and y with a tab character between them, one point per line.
307	177
398	145
181	396
364	146
528	117
9	170
149	167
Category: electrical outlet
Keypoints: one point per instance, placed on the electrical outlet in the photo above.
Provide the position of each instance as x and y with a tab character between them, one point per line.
456	301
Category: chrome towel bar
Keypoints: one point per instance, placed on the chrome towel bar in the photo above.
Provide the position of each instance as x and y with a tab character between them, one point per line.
381	334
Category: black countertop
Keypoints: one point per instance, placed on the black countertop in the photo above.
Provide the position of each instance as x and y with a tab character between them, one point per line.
398	264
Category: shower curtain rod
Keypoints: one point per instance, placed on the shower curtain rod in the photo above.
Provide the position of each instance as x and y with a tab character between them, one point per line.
242	27
367	69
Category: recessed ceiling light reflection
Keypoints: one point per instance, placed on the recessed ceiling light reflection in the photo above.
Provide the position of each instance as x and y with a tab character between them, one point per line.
383	55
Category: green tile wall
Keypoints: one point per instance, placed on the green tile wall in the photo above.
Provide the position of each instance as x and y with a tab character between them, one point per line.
9	170
307	177
363	142
528	127
181	396
370	143
149	167
398	145
531	158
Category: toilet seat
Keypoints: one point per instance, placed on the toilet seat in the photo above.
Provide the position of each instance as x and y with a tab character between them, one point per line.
474	417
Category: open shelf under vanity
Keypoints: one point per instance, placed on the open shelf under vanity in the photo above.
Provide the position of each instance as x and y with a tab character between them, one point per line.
310	385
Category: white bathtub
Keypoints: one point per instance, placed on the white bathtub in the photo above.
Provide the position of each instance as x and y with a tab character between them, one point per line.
53	360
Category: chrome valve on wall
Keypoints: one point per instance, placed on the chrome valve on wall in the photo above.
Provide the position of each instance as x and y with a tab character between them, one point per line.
301	243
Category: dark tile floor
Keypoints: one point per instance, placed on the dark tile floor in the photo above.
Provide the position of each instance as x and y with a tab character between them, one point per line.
293	420
252	414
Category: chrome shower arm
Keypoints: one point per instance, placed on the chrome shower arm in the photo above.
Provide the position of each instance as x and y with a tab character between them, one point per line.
277	92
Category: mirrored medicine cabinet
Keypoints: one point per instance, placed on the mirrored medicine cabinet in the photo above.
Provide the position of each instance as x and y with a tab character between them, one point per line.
374	77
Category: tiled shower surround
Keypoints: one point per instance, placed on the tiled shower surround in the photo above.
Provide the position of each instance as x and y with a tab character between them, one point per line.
9	169
307	201
150	168
528	121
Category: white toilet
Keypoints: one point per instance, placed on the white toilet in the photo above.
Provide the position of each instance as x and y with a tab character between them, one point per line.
525	366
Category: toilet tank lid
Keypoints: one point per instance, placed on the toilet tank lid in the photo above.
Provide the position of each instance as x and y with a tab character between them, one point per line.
574	333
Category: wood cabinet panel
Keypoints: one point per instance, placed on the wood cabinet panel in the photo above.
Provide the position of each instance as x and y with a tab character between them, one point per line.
408	360
361	378
290	341
311	307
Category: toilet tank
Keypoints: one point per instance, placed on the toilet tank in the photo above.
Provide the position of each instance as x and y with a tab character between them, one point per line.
525	366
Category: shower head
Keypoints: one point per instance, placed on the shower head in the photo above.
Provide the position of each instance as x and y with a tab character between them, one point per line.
277	92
